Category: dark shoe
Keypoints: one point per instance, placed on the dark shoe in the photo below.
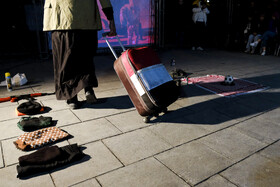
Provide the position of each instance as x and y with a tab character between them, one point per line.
73	103
90	96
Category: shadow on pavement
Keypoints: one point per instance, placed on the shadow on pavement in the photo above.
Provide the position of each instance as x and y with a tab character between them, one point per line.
118	102
212	113
84	159
221	109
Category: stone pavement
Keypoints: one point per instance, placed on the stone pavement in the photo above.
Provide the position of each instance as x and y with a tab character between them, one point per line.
204	140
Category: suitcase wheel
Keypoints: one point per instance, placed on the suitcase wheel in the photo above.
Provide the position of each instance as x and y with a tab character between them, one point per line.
146	119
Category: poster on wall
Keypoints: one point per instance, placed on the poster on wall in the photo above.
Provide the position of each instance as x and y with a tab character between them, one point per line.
133	22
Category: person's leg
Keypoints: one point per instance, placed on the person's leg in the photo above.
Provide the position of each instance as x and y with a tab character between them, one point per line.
88	50
255	39
267	36
194	36
130	34
63	60
201	35
74	69
250	40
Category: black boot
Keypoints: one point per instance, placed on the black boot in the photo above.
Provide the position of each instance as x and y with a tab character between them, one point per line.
73	103
90	96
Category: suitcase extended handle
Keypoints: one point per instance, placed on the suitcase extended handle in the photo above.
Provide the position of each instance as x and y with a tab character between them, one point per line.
105	35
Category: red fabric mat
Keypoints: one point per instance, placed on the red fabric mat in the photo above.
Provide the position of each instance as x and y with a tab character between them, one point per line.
213	83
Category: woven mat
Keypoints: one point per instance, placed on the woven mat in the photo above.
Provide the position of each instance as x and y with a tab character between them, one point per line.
213	83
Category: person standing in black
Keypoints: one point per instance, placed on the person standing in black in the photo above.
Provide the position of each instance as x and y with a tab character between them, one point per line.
74	25
200	12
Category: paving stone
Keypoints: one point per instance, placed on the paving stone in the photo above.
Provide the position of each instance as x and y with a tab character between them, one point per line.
8	113
99	161
11	153
273	115
148	173
115	91
232	144
174	112
46	97
257	102
8	178
62	117
197	99
127	121
194	162
216	181
8	103
91	131
178	133
236	111
55	105
86	114
88	183
47	87
222	100
260	129
272	152
110	105
254	171
210	120
136	145
9	129
272	94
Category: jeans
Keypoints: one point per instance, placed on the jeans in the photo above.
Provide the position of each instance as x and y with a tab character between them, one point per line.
252	38
266	36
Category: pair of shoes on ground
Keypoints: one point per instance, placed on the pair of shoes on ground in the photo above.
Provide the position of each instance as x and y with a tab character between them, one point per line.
248	51
73	103
198	48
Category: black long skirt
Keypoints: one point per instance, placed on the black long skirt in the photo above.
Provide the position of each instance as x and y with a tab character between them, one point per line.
74	70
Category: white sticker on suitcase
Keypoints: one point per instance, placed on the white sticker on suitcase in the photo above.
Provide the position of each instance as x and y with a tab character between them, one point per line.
154	76
137	85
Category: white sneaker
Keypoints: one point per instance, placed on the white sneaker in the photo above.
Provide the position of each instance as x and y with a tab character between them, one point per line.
263	53
254	44
200	48
193	48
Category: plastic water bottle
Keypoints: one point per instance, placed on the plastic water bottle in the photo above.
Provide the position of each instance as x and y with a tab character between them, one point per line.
9	81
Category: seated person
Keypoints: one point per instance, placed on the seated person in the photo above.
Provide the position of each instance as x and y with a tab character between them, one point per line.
273	29
258	28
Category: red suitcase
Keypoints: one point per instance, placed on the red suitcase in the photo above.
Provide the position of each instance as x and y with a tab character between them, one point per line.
149	85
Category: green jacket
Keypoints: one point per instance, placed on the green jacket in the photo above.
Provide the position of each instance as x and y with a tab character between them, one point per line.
73	14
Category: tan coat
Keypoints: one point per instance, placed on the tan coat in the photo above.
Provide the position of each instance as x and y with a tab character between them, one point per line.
73	14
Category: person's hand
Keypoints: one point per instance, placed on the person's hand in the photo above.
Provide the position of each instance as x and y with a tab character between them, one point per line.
112	28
